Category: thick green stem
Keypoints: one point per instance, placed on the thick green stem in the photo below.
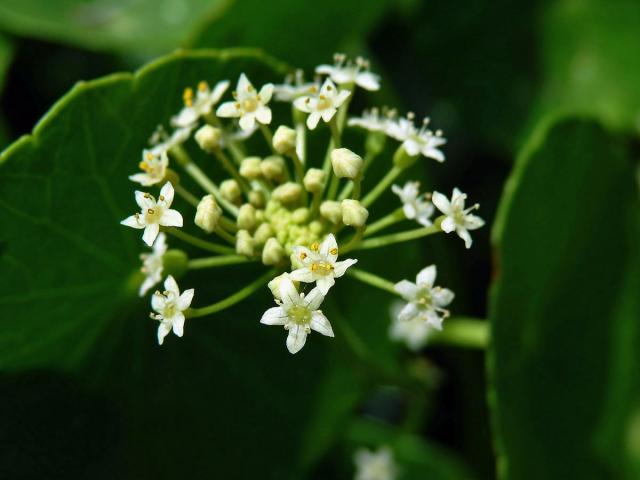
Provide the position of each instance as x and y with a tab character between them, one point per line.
371	279
232	299
198	242
335	133
382	186
186	194
231	169
333	187
268	136
463	332
223	234
212	262
394	217
385	240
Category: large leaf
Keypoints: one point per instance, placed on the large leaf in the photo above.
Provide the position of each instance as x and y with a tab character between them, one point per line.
565	308
132	27
227	397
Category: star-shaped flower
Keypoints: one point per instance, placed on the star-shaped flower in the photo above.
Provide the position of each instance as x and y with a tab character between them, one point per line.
294	87
152	264
319	264
414	333
154	213
416	141
299	314
195	108
345	72
414	205
154	166
250	106
375	465
374	120
170	306
324	105
161	142
425	301
458	218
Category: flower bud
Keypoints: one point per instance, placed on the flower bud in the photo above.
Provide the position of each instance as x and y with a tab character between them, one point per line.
250	168
274	285
208	138
263	233
272	253
247	217
346	164
314	180
272	168
208	213
353	213
230	190
287	193
300	215
331	211
244	243
256	198
284	140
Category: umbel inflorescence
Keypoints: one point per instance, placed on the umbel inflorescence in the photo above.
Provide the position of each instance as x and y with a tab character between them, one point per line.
297	211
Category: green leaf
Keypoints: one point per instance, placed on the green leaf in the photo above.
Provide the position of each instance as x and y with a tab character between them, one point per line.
143	27
564	308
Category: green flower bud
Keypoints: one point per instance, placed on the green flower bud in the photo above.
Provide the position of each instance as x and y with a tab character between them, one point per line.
247	217
284	140
288	193
300	215
272	253
346	164
244	243
353	213
230	190
331	211
314	180
273	168
250	168
208	213
257	198
263	233
316	227
274	285
208	138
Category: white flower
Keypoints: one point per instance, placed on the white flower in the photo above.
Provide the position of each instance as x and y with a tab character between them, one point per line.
324	105
425	301
414	205
414	333
249	105
374	120
457	218
194	109
298	313
170	306
417	141
319	264
295	87
154	166
154	214
378	465
161	142
152	264
345	72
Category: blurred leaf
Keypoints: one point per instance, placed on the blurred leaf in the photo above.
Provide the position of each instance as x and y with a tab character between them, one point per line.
138	27
565	308
590	61
299	33
227	397
6	55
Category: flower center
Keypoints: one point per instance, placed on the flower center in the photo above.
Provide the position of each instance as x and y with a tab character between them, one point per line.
299	314
424	298
321	268
323	103
249	105
152	215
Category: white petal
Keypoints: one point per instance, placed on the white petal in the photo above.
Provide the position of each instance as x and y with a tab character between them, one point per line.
171	218
302	254
133	221
144	179
263	115
448	225
288	293
409	311
328	114
411	147
184	301
434	319
341	267
433	153
442	296
228	109
146	286
313	299
170	285
312	120
160	245
186	117
178	324
407	290
158	302
320	324
144	200
441	202
368	81
150	233
302	104
342	96
302	275
163	330
296	338
466	236
324	69
409	211
247	121
265	94
218	91
167	192
325	283
472	222
328	88
426	276
274	316
328	244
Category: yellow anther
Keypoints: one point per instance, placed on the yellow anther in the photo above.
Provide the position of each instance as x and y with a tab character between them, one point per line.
315	246
187	96
149	156
203	86
333	251
144	166
147	195
323	268
161	198
303	255
322	97
150	211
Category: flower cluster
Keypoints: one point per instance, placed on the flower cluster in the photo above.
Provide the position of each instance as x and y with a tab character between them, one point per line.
286	207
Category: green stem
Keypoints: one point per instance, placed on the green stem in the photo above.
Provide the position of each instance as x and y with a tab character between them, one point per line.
232	299
357	183
228	225
463	332
333	187
298	166
394	217
212	262
354	240
186	194
385	240
225	235
198	242
268	136
236	150
373	280
335	132
231	169
382	186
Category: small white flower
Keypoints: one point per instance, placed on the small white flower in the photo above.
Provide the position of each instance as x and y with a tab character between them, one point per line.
161	142
324	105
425	301
375	465
414	333
298	313
414	205
250	106
196	108
154	166
295	87
152	264
458	218
345	72
374	120
170	306
154	214
319	264
417	141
